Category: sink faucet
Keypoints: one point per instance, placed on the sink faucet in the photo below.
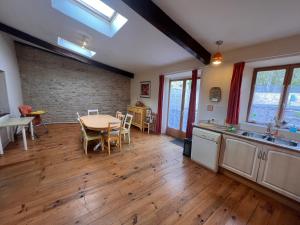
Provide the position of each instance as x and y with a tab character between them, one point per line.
269	128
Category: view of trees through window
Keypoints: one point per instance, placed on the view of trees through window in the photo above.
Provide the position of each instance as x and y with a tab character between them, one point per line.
268	101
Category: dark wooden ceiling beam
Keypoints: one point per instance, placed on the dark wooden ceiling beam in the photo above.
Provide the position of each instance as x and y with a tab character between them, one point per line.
154	15
61	51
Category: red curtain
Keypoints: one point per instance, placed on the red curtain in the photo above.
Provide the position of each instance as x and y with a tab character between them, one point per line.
234	94
192	105
160	103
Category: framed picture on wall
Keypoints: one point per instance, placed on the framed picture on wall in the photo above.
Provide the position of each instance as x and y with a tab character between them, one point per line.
145	89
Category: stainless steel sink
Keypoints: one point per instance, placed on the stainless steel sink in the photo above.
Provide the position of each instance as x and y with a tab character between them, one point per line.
272	139
254	135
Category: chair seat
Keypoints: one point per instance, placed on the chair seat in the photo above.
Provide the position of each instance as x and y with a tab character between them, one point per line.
92	135
112	134
124	130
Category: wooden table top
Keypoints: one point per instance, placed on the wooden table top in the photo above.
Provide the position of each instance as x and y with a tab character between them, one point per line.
98	122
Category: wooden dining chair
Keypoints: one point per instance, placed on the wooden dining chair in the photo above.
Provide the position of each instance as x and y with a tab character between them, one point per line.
125	131
88	136
113	134
81	133
93	112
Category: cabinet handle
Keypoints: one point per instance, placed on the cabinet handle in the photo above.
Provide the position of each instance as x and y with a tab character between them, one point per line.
264	156
259	155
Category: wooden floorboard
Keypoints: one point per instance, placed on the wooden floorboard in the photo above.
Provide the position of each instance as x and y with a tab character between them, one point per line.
149	182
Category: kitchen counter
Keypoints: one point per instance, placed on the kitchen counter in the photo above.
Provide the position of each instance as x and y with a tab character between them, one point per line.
238	133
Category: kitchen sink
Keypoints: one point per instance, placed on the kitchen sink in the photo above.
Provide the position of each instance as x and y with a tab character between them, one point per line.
271	138
254	135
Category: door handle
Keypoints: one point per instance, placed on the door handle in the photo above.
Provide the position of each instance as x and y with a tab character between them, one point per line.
259	155
264	156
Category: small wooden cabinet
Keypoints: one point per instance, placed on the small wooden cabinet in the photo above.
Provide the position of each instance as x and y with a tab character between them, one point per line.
139	115
273	167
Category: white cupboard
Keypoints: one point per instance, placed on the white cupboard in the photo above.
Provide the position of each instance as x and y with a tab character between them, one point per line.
241	157
280	171
273	167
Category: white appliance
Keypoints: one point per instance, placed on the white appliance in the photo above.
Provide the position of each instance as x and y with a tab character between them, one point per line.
206	148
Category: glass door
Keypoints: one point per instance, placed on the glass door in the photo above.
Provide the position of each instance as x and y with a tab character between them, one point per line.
179	99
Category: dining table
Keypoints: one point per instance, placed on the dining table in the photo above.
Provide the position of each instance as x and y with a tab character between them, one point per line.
98	123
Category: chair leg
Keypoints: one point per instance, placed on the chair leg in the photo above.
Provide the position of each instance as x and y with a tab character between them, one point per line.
108	146
102	144
128	137
84	145
120	143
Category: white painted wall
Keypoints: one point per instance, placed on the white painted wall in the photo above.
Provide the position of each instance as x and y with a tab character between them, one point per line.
4	106
219	76
8	64
153	76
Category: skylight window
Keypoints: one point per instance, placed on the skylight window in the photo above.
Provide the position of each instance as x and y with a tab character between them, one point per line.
75	48
98	7
92	13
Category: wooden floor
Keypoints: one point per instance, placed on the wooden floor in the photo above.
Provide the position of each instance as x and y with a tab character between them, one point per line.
150	182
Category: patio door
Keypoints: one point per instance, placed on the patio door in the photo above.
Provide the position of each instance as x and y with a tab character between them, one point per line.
179	99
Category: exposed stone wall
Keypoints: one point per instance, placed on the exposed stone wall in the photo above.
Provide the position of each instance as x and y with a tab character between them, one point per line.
63	86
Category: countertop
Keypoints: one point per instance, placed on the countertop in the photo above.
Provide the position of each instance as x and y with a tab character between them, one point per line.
238	133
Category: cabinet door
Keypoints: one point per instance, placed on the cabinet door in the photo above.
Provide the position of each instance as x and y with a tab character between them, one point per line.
280	171
241	157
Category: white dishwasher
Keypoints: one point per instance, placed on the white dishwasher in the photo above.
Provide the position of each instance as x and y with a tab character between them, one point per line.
206	148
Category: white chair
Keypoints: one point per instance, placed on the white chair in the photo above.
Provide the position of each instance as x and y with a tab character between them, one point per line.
78	118
88	136
126	127
118	114
93	112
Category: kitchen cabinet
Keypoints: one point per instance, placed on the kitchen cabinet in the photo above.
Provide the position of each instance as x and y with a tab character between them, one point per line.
279	170
241	157
273	167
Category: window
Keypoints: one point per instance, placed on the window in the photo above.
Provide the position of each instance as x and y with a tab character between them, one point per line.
98	7
74	47
275	93
92	13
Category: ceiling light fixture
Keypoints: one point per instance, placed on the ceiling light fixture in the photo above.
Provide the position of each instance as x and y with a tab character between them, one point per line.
218	57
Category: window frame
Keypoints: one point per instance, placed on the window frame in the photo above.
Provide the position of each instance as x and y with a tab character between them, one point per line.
96	12
284	94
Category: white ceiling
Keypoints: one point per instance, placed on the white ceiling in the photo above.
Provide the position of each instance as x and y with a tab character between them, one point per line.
238	23
139	46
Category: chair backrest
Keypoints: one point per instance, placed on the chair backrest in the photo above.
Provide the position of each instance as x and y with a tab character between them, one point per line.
93	112
118	114
25	109
82	127
127	121
78	116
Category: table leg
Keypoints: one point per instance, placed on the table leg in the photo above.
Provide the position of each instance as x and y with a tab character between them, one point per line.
24	137
8	133
1	147
13	134
31	131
